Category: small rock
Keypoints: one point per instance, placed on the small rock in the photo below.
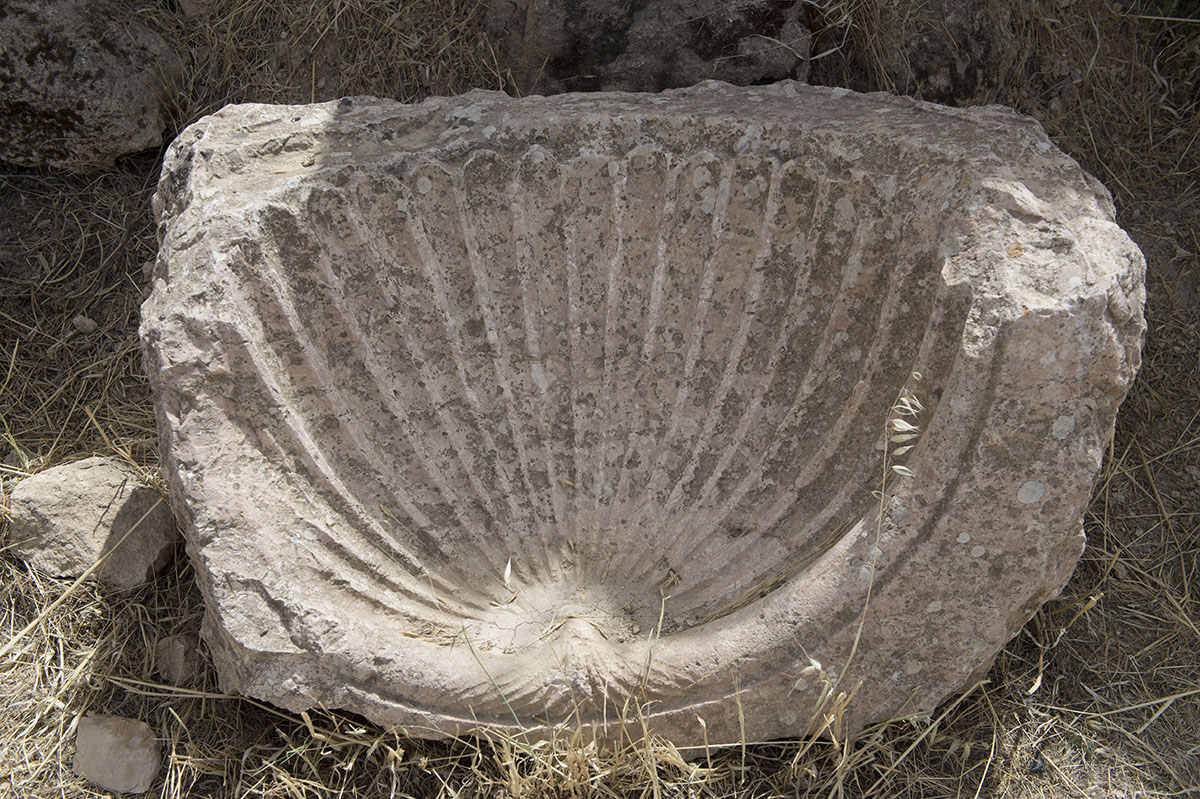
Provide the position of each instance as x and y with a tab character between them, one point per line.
117	754
84	324
177	659
65	518
13	458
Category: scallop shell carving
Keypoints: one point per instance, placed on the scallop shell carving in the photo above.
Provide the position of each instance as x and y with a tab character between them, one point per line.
520	413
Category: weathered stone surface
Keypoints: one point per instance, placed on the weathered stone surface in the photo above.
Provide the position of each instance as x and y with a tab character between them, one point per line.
177	659
116	753
551	46
81	83
510	413
65	518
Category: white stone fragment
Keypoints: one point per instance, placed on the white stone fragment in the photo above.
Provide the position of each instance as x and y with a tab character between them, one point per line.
117	754
177	659
84	324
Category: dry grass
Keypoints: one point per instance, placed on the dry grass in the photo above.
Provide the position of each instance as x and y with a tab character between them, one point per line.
72	247
266	51
1098	696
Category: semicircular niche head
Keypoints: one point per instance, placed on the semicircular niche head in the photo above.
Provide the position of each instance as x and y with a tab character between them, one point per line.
611	409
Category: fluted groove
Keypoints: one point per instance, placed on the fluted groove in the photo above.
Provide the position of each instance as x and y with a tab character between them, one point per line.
303	447
308	445
368	449
498	225
534	312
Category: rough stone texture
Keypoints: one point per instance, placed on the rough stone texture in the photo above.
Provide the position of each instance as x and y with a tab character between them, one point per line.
81	83
116	753
176	659
551	46
64	518
495	412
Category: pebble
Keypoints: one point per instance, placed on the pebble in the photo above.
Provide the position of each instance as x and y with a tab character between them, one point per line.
85	324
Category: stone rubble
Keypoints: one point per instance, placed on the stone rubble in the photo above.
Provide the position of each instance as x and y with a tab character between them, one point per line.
552	46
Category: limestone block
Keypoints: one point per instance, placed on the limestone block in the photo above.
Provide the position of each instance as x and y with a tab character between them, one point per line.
81	83
516	413
65	518
116	753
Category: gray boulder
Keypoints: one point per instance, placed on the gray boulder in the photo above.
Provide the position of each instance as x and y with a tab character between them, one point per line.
82	82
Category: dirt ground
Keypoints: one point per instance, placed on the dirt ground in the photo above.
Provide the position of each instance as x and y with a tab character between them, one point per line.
1099	696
